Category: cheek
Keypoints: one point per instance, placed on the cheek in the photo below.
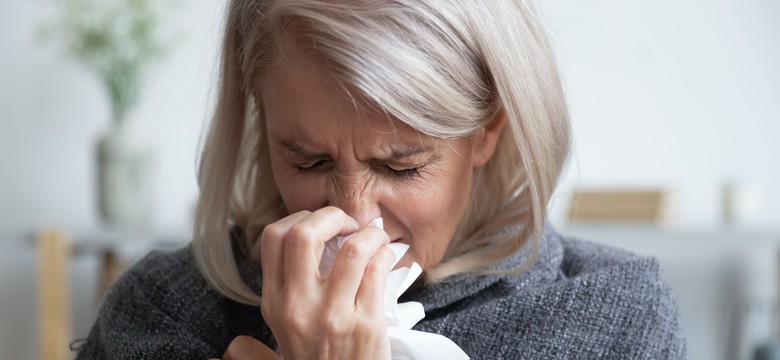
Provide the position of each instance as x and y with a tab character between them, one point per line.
442	204
432	214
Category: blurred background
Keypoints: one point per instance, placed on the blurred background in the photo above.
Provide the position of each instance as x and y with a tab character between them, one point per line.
675	108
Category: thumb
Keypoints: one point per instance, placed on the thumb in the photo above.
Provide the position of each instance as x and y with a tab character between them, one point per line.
248	348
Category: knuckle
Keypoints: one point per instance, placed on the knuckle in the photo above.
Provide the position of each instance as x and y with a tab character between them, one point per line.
378	266
355	250
301	213
334	325
272	231
334	210
300	233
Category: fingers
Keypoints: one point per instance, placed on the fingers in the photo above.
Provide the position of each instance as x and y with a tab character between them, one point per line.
306	239
290	249
370	295
306	311
352	261
272	249
248	348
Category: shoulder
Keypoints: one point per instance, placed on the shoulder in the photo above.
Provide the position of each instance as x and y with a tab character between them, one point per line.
162	278
156	309
619	281
590	269
163	269
613	268
631	297
624	297
579	300
581	257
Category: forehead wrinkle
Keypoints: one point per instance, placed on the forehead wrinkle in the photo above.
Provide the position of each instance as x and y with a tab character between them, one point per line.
396	147
298	150
366	113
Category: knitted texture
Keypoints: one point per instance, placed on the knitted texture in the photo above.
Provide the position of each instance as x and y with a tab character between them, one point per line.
578	301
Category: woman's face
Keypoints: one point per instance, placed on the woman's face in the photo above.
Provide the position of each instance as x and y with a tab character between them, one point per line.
324	151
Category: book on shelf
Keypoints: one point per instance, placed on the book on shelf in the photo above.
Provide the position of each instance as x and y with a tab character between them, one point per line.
619	205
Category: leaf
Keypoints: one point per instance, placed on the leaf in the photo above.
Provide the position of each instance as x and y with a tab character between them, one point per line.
118	39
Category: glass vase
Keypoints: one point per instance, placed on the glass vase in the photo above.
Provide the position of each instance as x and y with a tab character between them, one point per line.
125	176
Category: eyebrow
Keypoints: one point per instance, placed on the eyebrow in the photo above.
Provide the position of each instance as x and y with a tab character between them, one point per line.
396	154
300	151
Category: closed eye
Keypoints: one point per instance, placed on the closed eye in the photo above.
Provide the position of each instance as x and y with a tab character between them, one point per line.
313	166
400	173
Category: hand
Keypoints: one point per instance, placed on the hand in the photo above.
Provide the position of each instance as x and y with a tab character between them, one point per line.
338	317
247	348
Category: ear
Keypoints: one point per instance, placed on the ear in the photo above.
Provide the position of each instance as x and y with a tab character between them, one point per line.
484	143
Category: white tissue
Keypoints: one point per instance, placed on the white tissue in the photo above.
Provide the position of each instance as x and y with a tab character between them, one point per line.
405	344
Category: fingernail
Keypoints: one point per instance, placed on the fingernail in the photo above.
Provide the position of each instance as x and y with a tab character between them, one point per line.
377	223
340	240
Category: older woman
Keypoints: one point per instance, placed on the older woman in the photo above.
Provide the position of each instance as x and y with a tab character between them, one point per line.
444	118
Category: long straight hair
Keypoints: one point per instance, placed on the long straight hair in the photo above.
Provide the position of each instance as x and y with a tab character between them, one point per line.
445	68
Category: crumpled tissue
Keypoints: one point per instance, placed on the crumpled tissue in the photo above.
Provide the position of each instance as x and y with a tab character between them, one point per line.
405	343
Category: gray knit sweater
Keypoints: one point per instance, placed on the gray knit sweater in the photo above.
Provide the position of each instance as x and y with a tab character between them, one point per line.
579	301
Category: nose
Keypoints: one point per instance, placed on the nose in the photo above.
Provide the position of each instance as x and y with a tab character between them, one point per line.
358	201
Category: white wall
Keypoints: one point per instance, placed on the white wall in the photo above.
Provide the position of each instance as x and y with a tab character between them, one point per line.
678	94
52	111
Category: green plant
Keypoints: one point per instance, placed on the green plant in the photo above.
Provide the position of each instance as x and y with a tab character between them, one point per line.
118	39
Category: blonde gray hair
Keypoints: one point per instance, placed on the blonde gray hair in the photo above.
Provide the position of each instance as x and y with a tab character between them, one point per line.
444	67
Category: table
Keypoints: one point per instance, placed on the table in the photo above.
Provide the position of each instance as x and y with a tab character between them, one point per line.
116	248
